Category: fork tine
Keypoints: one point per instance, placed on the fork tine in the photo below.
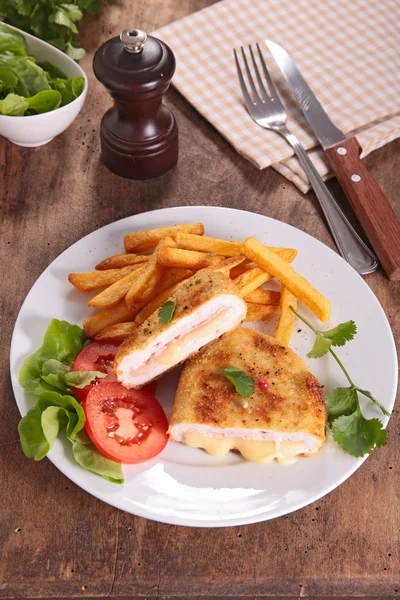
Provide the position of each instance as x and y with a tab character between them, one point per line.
272	89
249	77
245	93
260	82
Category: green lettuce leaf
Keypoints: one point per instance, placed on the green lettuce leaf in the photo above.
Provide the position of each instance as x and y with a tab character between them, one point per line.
88	457
46	373
16	34
31	78
41	425
63	342
69	89
58	375
12	40
44	101
7	58
82	437
8	79
35	88
13	105
33	440
76	416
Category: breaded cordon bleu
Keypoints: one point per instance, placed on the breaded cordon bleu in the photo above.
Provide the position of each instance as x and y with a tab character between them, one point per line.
284	417
205	306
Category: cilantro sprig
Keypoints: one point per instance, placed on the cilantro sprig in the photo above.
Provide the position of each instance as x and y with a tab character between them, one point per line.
166	312
243	383
350	429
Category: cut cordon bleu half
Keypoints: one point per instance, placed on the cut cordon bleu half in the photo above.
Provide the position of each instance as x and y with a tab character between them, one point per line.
283	418
206	306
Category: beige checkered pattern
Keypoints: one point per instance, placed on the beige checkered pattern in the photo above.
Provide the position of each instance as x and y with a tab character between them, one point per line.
347	50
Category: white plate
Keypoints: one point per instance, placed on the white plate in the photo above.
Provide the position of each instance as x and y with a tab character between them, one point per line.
185	486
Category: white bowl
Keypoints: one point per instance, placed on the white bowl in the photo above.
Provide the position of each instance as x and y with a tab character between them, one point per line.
36	130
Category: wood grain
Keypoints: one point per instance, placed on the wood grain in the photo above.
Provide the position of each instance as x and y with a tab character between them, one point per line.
372	208
56	541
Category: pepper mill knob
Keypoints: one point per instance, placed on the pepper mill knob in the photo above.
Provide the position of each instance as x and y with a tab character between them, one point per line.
139	134
133	40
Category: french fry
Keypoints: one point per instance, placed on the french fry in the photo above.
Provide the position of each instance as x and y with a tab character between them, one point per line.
242	268
227	264
145	286
201	243
143	240
288	254
285	326
171	278
251	280
263	297
204	243
112	295
87	282
188	259
111	316
284	272
155	303
260	312
115	334
121	260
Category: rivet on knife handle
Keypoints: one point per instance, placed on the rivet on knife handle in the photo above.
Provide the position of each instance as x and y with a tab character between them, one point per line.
371	206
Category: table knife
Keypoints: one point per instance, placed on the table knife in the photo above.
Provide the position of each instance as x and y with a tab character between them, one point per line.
369	203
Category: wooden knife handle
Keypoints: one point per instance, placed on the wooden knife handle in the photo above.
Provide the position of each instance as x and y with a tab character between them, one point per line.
371	206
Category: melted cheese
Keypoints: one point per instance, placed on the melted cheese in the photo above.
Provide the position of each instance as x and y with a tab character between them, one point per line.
177	350
181	339
260	451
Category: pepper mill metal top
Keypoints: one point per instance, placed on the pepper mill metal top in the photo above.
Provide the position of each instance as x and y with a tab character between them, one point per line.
133	40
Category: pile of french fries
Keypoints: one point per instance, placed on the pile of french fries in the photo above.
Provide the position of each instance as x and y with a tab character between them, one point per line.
157	261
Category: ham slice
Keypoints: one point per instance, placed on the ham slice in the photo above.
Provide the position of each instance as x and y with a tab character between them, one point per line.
283	418
206	306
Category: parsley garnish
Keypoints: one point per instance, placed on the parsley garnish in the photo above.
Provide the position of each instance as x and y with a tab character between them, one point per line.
166	312
243	383
350	429
338	336
52	21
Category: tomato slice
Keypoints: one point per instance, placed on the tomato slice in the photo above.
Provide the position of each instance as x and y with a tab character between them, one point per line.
95	357
151	388
128	426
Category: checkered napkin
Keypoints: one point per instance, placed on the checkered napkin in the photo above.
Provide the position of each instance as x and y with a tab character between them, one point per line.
347	50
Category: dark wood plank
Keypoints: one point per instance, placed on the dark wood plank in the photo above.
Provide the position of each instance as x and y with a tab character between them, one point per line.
59	542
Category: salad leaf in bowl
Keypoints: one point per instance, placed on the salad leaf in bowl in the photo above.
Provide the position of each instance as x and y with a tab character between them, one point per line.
41	89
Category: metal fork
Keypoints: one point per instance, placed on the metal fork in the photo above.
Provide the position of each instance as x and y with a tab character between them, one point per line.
268	111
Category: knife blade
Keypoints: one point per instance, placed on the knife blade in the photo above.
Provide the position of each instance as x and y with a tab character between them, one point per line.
369	203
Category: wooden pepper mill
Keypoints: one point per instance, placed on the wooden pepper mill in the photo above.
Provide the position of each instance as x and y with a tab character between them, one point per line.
139	134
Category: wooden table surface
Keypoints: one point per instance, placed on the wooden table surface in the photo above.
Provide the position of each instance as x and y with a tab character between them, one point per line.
59	542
